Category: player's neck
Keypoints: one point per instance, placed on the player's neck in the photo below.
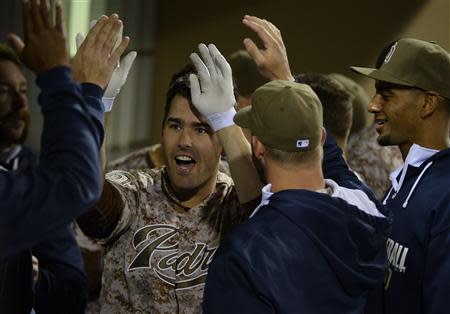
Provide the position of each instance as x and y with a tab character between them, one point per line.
307	178
193	197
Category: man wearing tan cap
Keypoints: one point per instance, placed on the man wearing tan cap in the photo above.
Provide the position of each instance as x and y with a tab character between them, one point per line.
412	110
313	245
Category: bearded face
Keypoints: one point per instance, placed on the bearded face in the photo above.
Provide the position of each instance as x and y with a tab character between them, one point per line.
14	114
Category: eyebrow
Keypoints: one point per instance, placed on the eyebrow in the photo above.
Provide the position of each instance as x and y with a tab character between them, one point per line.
201	125
194	124
175	120
23	83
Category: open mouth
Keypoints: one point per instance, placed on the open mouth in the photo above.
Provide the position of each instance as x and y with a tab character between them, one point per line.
184	163
379	124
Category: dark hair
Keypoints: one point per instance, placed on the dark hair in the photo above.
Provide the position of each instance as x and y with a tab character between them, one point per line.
246	76
179	85
360	99
7	54
336	102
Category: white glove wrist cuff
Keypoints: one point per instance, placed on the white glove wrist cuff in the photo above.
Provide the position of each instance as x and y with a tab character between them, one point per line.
108	103
221	120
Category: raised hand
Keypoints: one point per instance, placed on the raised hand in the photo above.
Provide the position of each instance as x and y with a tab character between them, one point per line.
272	60
120	73
215	99
97	56
41	35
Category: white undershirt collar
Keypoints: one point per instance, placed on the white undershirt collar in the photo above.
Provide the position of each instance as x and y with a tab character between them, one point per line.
265	196
416	156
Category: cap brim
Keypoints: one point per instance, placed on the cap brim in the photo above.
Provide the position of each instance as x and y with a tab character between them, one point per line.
380	75
244	117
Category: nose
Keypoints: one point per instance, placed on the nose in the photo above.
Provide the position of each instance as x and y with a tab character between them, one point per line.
185	140
20	99
375	104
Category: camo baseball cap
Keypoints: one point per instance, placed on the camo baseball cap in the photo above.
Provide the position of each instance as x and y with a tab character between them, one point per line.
414	63
284	115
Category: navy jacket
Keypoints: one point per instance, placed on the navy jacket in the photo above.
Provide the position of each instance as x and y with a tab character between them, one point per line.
37	202
418	249
62	284
303	252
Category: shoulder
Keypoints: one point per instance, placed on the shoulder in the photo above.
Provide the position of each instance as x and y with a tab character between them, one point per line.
135	179
135	160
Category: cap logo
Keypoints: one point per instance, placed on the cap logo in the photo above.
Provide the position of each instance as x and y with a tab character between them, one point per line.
302	143
390	53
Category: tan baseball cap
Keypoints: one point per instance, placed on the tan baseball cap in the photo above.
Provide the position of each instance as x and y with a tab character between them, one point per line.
414	63
284	115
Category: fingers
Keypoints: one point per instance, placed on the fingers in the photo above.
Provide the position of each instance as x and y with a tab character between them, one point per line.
103	39
260	28
92	23
108	36
208	61
59	19
16	43
221	63
36	17
195	88
269	33
45	13
126	64
275	32
27	19
201	68
79	40
253	51
119	36
93	33
115	56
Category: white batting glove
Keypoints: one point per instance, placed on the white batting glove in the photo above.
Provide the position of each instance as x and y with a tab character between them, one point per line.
120	74
215	99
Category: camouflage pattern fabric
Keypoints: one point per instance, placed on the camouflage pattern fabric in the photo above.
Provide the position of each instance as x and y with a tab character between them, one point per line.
156	259
371	161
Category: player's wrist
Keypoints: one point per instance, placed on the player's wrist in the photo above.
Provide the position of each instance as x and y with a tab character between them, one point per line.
221	120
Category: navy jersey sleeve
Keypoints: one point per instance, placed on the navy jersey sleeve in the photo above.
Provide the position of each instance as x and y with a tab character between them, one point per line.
436	281
67	180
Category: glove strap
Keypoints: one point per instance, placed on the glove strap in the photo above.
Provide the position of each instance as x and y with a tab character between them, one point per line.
221	120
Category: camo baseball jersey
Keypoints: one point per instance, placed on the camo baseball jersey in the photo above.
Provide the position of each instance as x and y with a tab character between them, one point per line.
157	257
147	157
371	161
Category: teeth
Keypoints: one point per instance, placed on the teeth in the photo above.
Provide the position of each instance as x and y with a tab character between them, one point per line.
184	158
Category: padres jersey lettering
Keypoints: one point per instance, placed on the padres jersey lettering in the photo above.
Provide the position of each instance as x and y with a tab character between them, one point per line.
156	259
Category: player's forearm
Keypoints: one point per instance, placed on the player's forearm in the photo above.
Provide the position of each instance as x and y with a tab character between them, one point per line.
239	155
99	221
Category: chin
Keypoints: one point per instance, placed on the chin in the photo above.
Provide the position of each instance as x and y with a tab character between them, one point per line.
384	140
184	182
